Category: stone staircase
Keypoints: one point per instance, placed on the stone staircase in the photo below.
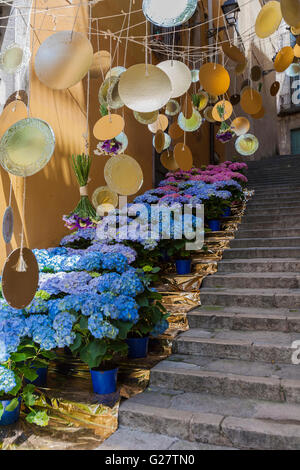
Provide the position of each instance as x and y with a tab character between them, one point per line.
230	382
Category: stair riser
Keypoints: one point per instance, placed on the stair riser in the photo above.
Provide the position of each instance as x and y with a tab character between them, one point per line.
240	234
259	267
279	219
272	212
262	253
278	223
228	350
251	283
259	301
264	242
244	323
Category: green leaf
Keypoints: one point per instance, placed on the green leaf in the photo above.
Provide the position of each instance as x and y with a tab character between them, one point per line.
29	373
40	418
124	328
92	354
77	343
143	302
51	355
28	396
83	323
13	405
21	357
16	389
1	409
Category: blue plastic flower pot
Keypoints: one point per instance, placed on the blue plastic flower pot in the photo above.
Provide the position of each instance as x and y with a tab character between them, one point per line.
137	347
41	380
10	417
183	266
214	225
227	212
104	381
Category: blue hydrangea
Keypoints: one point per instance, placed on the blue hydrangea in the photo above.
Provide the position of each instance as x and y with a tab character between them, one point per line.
7	379
130	284
101	328
160	328
12	329
38	305
115	262
82	234
63	324
90	262
123	308
41	331
108	282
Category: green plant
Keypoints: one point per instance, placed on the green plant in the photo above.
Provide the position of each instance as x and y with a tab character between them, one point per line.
81	165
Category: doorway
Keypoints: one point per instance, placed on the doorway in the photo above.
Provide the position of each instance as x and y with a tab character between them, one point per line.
295	141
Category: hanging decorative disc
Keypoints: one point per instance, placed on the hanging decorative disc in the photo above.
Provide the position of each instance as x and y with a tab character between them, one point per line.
161	123
168	161
12	113
240	126
295	31
26	147
235	99
103	90
222	110
179	75
159	141
108	127
208	114
146	118
283	59
183	156
260	114
233	52
256	73
240	68
203	99
109	95
8	224
123	140
101	64
172	108
175	132
293	70
214	78
123	175
212	99
246	83
268	19
297	51
187	108
195	75
115	72
192	124
291	12
246	144
19	288
63	59
167	141
145	88
251	101
19	95
104	197
14	58
169	13
275	87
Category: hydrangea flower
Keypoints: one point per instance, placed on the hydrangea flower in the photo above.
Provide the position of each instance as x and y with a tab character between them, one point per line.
101	328
159	328
7	379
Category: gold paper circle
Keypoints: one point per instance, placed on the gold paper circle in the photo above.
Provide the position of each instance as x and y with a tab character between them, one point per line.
246	144
260	114
225	107
183	156
175	131
161	123
187	108
172	108
240	68
256	73
208	114
214	79
146	118
123	175
283	59
233	52
145	89
108	127
159	141
297	51
251	101
274	89
63	59
26	147
291	12
168	161
240	125
203	100
268	19
19	288
105	197
179	75
101	64
12	113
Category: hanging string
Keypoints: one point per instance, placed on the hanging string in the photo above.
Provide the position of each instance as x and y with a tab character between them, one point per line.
88	93
146	49
218	26
75	19
127	35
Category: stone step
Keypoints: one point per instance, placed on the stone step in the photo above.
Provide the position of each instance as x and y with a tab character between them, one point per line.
229	378
261	298
273	200
271	212
253	281
245	318
267	233
266	207
260	265
276	252
263	346
277	223
282	219
263	426
265	242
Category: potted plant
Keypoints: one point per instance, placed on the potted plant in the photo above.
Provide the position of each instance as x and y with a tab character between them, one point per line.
214	209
